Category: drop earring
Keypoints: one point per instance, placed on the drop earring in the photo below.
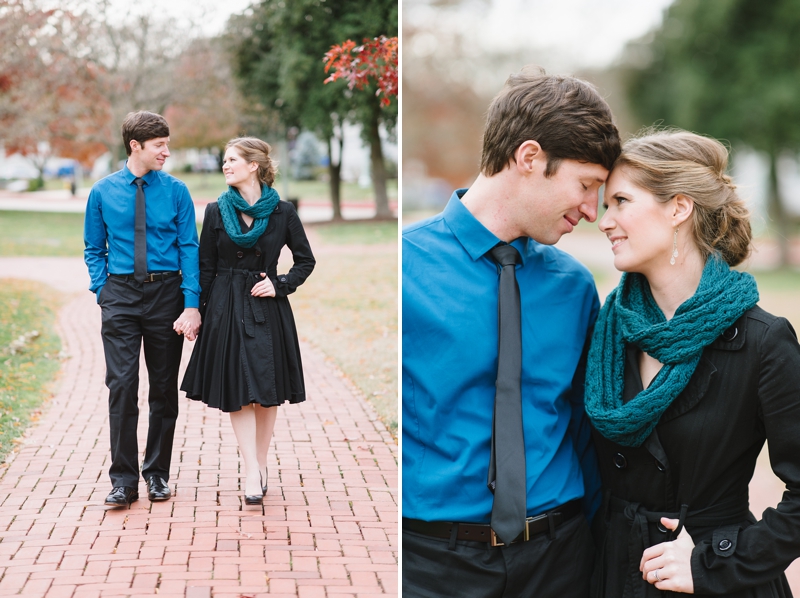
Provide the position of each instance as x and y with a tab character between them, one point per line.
674	247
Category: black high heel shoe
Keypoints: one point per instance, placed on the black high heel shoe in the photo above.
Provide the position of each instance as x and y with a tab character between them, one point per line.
265	481
254	499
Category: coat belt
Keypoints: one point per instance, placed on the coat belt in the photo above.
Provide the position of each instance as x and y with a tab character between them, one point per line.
252	312
726	512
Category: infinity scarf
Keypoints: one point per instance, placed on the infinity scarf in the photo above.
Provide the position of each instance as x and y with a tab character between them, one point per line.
631	315
231	200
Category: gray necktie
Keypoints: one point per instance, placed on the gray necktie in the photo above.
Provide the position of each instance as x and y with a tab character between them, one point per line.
507	474
140	234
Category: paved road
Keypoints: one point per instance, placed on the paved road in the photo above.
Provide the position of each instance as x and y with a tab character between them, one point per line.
329	524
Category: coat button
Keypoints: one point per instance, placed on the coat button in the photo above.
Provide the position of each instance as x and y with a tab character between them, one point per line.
258	253
620	462
239	254
725	544
660	527
730	333
660	467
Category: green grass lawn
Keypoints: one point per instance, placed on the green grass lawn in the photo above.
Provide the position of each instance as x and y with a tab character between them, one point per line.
41	234
356	233
25	376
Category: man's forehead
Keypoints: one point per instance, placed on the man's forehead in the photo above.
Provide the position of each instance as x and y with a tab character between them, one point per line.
591	169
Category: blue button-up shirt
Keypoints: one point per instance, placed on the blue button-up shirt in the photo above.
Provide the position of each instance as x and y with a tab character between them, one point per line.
450	336
171	230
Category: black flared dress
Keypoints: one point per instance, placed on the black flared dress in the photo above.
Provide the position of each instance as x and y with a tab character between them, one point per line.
247	350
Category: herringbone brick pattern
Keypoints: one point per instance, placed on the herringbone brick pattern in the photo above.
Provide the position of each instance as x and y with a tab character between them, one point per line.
328	526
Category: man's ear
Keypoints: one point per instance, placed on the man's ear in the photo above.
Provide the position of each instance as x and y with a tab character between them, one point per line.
683	206
135	145
529	156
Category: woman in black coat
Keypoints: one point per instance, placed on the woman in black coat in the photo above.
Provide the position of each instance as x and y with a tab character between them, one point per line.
247	358
687	378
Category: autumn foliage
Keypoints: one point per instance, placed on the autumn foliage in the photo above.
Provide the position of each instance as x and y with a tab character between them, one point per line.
375	60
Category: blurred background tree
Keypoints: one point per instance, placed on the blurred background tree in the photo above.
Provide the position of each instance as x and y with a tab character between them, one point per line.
729	69
277	54
70	72
49	100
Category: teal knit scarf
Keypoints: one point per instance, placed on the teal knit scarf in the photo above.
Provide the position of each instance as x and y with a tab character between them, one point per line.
631	315
231	200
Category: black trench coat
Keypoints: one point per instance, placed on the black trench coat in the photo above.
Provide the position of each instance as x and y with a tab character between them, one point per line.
247	350
697	465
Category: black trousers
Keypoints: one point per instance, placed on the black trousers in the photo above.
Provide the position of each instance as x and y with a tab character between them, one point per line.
133	314
543	567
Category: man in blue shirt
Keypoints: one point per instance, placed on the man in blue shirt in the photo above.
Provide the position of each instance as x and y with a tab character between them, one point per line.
142	253
549	143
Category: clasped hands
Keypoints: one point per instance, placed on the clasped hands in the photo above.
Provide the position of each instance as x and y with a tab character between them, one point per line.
668	566
188	323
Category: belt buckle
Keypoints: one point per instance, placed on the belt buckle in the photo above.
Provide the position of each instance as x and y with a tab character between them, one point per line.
526	535
494	542
530	520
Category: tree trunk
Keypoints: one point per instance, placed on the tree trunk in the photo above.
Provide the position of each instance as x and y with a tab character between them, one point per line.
335	175
378	167
776	212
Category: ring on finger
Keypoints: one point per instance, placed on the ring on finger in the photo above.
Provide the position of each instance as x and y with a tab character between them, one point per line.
656	574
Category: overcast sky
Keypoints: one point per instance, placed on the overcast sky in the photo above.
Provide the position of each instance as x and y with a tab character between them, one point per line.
584	33
209	15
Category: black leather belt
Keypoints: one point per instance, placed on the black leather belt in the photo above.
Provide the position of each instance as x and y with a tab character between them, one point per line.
152	277
482	532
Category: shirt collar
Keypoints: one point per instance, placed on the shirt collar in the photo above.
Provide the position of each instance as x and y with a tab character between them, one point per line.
473	236
150	178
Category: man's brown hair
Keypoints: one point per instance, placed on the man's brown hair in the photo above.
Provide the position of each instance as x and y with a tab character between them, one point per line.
143	126
565	115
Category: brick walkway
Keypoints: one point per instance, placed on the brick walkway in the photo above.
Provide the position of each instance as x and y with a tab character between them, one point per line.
328	527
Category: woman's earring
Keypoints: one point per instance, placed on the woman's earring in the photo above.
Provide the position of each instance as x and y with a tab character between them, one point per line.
674	247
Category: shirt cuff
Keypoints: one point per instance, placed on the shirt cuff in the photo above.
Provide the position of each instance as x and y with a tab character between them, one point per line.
191	299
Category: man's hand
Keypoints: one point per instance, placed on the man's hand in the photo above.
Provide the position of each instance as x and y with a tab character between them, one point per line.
263	288
668	565
188	323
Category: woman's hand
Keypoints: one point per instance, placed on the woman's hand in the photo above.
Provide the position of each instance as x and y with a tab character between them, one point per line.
668	565
263	288
188	323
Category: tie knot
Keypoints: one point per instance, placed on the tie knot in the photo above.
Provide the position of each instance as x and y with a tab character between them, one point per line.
138	181
505	255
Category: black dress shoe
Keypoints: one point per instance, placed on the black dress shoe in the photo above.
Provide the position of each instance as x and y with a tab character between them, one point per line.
158	489
257	499
264	482
122	496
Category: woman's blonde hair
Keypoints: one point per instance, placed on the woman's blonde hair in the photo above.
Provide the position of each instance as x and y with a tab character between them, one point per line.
253	149
671	162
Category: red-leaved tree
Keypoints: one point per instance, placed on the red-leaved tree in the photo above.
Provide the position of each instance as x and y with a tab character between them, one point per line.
374	61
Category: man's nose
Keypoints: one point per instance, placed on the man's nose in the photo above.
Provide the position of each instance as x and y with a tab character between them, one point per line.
589	210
